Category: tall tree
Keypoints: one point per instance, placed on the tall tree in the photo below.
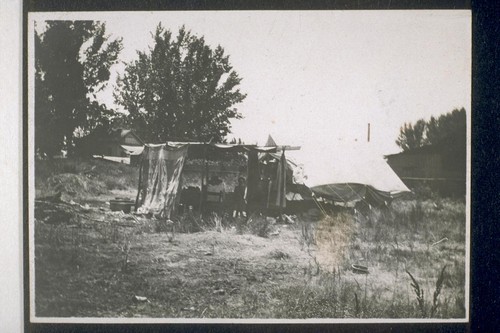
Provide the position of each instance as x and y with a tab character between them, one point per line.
411	136
180	89
448	129
72	64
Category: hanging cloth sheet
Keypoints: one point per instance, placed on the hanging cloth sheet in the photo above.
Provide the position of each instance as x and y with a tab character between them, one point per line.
161	169
252	177
281	182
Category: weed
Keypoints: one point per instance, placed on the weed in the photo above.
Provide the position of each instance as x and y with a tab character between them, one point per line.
125	250
259	225
241	225
437	291
356	305
419	292
212	222
188	222
279	255
166	226
307	234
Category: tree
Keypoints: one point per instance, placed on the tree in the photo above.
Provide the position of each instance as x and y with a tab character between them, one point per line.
180	89
411	136
72	62
448	129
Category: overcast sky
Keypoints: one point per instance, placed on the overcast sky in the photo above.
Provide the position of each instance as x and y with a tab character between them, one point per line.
319	77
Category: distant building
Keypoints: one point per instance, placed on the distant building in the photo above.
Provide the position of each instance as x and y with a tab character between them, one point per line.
112	143
434	166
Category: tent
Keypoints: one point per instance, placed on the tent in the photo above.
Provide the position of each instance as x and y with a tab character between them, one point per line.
162	164
350	173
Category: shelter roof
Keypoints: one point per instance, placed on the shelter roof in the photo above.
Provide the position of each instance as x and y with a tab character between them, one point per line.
133	150
225	146
420	150
352	164
118	134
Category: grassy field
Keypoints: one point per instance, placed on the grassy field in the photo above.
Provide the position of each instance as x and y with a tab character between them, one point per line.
91	262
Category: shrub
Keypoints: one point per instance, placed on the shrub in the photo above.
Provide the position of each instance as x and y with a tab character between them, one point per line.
259	225
279	255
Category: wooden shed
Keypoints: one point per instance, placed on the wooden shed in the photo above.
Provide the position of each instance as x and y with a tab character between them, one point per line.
116	138
435	166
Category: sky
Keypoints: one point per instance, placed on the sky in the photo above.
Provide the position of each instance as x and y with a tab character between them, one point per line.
317	78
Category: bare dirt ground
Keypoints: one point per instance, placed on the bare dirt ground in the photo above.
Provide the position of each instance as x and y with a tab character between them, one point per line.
91	262
205	274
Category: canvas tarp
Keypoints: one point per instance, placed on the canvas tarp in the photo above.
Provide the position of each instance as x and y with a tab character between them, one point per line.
161	168
281	182
133	150
160	173
346	173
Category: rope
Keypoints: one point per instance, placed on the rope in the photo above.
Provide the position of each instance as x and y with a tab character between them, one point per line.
319	206
317	202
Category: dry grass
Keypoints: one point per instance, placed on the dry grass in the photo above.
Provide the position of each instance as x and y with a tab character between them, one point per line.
91	262
333	236
85	179
424	237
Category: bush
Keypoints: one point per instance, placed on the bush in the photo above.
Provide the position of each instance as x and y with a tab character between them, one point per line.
259	225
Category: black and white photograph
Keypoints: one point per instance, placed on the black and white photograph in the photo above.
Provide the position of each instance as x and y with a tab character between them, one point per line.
249	166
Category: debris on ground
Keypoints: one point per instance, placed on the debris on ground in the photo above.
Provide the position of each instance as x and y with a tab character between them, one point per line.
140	299
290	219
55	213
439	241
74	185
270	220
219	292
52	198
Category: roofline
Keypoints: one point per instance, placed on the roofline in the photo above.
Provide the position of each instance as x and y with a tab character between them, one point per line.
417	150
136	136
228	145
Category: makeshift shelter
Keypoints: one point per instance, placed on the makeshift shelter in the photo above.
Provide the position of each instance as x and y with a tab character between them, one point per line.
350	173
135	153
159	175
441	167
161	167
283	179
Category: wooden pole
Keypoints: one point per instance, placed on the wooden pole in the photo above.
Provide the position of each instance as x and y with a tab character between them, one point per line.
204	172
368	132
139	186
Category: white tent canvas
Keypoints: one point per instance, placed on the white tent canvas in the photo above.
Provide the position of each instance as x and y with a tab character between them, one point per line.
351	173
